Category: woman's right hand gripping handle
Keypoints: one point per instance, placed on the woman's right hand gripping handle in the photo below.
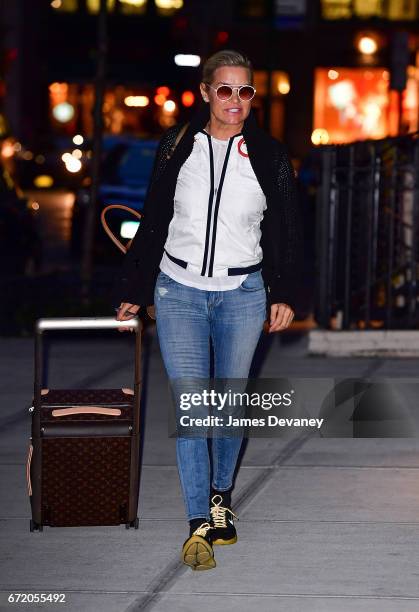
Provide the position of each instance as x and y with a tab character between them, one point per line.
125	312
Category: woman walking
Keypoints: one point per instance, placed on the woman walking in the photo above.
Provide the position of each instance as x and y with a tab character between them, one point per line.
219	241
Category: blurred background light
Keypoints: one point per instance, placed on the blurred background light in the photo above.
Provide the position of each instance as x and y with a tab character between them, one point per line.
367	45
77	153
43	181
169	4
169	106
72	164
59	89
341	94
63	112
182	59
333	74
129	229
78	139
222	37
134	2
159	99
163	90
136	101
188	98
283	84
320	136
7	149
93	5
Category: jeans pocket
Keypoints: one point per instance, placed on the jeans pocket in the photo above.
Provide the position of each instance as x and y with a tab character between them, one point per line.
253	282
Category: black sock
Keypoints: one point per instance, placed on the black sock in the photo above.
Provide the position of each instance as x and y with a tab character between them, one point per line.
226	495
196	522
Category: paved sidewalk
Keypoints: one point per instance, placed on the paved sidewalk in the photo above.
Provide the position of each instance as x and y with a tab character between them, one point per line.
326	524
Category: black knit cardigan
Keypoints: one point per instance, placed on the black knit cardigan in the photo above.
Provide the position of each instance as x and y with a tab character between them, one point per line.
281	228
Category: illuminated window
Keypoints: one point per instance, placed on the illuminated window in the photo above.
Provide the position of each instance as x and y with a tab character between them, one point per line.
68	6
365	9
352	106
168	7
132	7
336	9
93	5
368	8
355	104
403	9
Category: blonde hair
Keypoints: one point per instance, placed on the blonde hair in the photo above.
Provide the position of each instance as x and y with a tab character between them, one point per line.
226	57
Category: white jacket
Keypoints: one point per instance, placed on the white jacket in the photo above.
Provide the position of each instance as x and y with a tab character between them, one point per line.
218	207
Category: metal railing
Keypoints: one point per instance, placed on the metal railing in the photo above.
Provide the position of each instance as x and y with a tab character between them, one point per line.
367	235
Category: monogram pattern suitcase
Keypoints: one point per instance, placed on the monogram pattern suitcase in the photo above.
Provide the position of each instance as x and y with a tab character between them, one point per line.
83	459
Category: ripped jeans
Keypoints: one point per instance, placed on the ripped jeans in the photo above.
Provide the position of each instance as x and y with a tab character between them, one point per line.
187	320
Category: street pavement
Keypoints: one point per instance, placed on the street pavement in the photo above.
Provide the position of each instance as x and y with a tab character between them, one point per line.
326	524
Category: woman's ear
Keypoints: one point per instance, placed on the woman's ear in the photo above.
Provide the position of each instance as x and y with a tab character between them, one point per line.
204	93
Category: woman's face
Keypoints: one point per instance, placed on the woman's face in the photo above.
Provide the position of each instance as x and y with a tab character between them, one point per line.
233	111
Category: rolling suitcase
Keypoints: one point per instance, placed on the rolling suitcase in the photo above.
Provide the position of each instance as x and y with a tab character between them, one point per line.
83	460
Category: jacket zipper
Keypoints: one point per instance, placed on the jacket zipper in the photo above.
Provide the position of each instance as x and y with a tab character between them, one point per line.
215	192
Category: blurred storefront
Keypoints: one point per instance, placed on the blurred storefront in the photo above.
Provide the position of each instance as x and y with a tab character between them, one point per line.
375	92
141	112
394	10
356	104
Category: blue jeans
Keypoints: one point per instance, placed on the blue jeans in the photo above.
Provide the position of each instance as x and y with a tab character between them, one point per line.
187	319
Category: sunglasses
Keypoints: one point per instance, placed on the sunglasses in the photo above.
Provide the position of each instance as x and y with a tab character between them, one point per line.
225	92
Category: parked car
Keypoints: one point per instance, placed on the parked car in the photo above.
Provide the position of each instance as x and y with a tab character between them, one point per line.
125	172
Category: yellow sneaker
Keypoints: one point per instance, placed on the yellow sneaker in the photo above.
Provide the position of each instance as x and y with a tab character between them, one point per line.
222	519
197	551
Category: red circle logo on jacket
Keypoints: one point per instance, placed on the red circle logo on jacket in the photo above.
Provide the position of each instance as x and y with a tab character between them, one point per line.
242	147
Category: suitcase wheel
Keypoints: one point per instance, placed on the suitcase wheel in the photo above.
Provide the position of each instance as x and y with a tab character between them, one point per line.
135	523
35	526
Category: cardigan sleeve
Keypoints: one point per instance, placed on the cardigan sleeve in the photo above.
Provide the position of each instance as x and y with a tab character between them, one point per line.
285	284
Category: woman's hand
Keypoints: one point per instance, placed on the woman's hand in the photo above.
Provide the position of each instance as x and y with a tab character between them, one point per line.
125	312
281	317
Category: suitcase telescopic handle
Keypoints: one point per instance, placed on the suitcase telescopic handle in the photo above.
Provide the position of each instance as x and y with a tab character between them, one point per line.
82	323
89	323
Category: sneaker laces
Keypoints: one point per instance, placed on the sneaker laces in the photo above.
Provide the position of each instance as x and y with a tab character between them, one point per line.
202	529
219	512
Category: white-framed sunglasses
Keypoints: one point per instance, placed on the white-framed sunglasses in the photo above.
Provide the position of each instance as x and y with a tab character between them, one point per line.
225	92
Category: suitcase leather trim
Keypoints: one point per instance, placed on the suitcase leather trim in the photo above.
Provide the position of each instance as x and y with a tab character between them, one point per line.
28	470
86	410
86	430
